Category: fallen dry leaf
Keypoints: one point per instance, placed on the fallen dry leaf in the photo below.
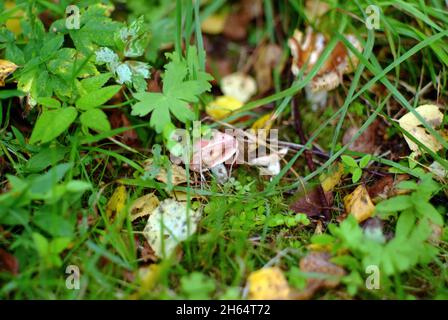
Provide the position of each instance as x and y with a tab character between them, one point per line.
144	206
358	204
239	86
315	9
409	122
308	202
117	202
177	176
367	142
6	68
332	178
222	107
265	122
215	23
168	225
268	284
267	58
385	187
326	275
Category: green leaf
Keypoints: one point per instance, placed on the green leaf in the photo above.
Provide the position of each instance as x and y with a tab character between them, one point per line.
52	123
356	175
95	119
49	102
97	98
365	161
349	161
395	204
96	82
41	244
179	89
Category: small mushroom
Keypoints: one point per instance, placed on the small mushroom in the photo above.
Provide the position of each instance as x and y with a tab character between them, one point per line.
213	153
306	50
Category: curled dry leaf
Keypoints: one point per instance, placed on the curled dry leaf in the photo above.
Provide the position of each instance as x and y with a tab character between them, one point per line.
222	107
168	225
6	68
409	122
144	206
359	204
325	274
239	86
268	284
220	148
177	176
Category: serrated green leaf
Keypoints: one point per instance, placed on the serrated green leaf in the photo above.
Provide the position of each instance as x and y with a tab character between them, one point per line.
395	204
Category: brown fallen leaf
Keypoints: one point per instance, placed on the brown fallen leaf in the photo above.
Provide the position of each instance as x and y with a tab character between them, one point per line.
367	142
327	275
6	68
385	187
359	204
308	202
8	262
268	284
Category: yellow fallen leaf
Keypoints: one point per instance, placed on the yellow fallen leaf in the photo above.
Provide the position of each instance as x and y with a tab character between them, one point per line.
6	68
332	178
358	204
117	202
147	278
268	284
144	206
264	122
182	196
214	24
222	107
409	122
